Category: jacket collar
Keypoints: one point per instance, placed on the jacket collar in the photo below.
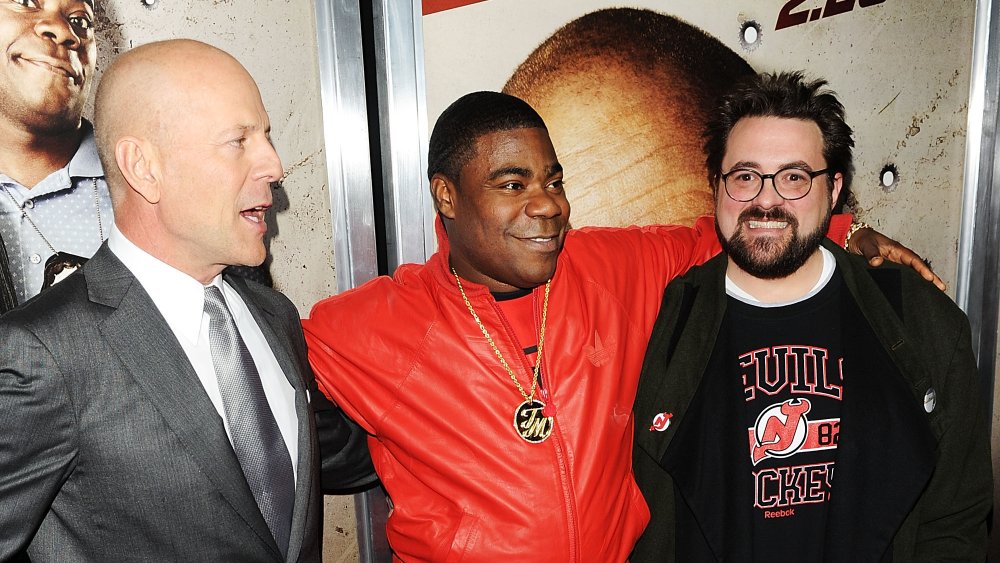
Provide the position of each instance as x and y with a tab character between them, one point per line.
143	342
440	267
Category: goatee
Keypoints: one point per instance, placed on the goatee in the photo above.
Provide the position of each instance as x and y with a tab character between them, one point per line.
768	257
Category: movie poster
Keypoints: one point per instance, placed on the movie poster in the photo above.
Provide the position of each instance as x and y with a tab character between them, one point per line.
625	90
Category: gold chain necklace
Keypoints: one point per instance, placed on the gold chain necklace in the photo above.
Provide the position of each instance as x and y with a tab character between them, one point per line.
529	421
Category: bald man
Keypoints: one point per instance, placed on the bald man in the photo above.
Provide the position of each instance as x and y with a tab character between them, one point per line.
171	420
625	93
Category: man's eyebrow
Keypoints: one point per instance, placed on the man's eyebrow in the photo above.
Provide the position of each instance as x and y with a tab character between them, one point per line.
553	169
745	164
509	171
797	164
756	166
244	128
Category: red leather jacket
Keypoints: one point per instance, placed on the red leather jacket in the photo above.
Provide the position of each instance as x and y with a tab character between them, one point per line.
405	359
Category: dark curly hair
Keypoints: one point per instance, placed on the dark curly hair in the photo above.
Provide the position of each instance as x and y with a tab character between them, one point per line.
786	95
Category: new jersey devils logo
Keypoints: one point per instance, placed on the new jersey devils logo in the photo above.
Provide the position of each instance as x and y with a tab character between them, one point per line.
661	421
781	429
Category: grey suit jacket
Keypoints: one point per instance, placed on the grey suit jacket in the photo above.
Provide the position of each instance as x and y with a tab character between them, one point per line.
110	449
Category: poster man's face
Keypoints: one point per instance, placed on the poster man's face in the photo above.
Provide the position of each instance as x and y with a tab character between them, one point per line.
630	157
48	54
769	236
508	212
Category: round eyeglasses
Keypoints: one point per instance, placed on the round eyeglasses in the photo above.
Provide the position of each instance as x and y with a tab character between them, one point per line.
745	184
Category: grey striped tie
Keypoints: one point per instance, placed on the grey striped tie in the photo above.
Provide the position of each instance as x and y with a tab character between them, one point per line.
254	432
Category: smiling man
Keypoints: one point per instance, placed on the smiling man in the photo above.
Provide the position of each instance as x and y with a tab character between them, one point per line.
497	379
795	404
173	418
55	209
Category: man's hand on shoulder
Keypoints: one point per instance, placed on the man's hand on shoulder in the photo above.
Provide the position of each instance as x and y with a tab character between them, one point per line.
877	248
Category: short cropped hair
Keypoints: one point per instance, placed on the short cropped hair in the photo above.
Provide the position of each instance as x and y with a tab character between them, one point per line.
453	141
695	67
786	95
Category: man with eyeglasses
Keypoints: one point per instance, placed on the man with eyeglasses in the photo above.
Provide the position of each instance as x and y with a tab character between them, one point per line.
796	404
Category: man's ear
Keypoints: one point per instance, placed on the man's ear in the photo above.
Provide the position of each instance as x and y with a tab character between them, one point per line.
838	183
444	191
136	161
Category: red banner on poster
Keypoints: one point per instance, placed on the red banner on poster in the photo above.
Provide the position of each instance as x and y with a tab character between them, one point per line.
432	6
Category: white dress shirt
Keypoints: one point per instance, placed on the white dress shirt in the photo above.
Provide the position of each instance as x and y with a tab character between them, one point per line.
181	300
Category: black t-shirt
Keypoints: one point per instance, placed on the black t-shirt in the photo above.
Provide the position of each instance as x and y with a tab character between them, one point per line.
789	360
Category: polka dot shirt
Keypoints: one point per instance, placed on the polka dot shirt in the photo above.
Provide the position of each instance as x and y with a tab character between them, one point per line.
64	208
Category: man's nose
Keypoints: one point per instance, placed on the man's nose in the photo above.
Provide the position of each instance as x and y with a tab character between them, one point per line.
56	28
543	203
269	164
768	196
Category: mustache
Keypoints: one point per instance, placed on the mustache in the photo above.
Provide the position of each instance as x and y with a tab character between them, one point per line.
758	213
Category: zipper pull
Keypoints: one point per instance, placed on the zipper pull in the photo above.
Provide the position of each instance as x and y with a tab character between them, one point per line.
549	409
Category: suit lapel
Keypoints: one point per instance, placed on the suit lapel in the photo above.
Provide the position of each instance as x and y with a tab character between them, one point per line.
156	361
700	449
677	357
291	365
8	296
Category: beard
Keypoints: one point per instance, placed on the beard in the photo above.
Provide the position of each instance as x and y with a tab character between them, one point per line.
767	257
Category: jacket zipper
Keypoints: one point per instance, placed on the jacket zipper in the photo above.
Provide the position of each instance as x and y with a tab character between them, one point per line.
558	444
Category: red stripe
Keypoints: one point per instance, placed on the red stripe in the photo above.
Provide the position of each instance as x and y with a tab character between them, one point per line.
812	436
432	6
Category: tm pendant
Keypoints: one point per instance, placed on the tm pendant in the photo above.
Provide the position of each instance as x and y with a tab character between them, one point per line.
531	424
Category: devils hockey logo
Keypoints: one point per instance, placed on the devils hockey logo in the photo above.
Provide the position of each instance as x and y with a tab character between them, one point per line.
661	421
781	429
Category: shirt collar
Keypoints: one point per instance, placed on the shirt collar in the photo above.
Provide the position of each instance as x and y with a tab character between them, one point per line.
829	266
179	297
85	162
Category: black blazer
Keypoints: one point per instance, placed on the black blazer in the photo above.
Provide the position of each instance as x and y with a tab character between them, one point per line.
919	481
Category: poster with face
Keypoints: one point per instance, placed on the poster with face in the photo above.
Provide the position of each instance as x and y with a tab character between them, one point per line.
625	92
54	54
52	192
